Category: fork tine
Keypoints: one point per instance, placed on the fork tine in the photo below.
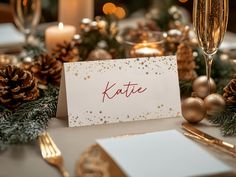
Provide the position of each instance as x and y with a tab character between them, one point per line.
51	153
42	146
48	150
52	144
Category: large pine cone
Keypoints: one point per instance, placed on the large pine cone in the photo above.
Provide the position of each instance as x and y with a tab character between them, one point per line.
47	70
66	52
17	86
230	92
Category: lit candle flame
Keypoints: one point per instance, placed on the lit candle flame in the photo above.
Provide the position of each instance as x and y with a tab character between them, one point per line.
60	26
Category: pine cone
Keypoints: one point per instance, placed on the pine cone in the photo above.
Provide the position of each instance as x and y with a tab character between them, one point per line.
66	52
186	63
47	70
230	92
17	86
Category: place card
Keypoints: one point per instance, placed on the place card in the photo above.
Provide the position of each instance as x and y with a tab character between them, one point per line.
166	153
101	92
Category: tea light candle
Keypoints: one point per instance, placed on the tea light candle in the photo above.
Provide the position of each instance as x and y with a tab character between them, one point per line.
146	50
58	34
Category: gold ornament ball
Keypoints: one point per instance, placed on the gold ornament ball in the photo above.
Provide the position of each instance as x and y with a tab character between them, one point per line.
200	86
85	24
102	25
99	54
94	25
174	35
193	109
214	103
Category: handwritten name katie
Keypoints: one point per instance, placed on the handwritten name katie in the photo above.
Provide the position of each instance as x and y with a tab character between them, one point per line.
112	90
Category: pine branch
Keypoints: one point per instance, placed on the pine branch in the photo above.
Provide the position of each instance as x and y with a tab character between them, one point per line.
229	128
226	120
185	87
24	124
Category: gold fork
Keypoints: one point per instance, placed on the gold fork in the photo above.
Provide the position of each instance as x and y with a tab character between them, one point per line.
51	153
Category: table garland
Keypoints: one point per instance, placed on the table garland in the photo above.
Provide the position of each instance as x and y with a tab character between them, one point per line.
31	118
23	124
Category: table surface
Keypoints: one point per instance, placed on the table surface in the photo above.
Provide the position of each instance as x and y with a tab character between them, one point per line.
26	160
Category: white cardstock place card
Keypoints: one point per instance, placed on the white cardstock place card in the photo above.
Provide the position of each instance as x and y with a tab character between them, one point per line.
110	91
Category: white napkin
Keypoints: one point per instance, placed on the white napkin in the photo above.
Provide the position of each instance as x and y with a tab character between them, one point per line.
10	37
162	154
229	41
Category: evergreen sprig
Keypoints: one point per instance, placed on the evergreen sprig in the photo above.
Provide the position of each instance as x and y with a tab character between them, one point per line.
226	120
221	72
185	87
31	118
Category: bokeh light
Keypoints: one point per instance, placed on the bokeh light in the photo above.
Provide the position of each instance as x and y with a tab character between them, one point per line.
109	8
120	12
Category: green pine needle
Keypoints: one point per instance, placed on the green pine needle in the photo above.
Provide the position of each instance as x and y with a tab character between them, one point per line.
31	118
226	120
185	87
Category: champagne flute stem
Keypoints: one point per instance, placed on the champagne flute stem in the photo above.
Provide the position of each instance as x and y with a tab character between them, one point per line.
208	61
27	35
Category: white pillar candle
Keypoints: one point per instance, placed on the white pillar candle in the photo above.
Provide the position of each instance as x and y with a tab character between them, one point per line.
58	34
73	11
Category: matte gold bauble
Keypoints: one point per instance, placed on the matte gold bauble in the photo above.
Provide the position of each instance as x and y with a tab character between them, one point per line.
193	109
200	86
214	103
99	54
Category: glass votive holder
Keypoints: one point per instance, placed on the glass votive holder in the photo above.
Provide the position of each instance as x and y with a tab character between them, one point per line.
148	44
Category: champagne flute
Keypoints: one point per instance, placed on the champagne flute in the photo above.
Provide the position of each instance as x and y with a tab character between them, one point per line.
210	19
26	15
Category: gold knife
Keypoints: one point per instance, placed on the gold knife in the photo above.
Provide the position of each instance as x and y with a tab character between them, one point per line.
208	138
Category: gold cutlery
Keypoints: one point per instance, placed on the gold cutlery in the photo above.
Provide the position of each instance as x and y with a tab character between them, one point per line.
208	139
51	153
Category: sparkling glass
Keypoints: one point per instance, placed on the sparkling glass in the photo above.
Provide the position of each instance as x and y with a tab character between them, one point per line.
26	15
210	18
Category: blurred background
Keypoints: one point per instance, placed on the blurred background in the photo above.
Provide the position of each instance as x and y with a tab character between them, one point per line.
131	7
